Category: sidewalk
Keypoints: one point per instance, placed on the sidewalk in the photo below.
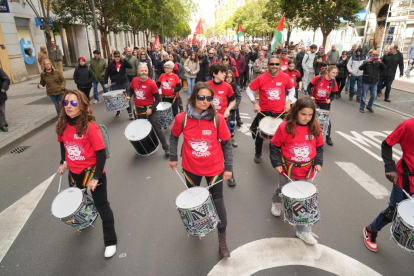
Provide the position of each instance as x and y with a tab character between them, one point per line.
28	109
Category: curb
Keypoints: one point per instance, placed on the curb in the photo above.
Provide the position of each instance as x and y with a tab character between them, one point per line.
394	110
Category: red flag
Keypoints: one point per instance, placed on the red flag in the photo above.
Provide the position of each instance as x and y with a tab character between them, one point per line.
157	42
240	29
195	37
199	28
281	23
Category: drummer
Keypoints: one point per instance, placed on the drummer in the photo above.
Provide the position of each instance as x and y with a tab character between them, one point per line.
206	146
401	175
170	86
321	88
296	150
272	98
147	98
83	153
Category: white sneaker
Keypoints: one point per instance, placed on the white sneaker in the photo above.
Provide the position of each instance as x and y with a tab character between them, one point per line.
307	237
276	209
110	251
95	102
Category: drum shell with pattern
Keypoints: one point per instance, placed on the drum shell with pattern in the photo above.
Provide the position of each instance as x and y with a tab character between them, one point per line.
75	208
323	117
142	136
300	208
115	100
197	211
402	228
165	114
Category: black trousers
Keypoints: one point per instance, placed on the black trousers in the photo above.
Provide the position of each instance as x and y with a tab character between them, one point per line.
100	199
245	76
86	91
341	84
153	119
326	106
174	105
216	191
259	139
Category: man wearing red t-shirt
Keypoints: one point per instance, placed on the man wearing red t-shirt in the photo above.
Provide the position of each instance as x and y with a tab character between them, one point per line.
284	60
146	100
401	175
224	99
272	98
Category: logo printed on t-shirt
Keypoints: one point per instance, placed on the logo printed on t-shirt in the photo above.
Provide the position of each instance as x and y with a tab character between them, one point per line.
278	84
144	86
76	137
140	94
321	93
74	152
307	137
301	153
166	85
200	147
274	94
221	92
216	102
206	132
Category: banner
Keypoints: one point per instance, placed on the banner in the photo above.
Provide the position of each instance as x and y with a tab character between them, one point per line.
4	6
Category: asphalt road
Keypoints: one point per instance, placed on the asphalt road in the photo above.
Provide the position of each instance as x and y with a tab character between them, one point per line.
152	240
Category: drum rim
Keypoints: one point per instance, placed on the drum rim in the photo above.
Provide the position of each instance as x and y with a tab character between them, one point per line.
270	118
162	103
138	121
399	214
77	209
192	208
303	198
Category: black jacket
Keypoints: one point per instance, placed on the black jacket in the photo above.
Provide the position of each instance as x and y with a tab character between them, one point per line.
4	85
299	58
118	77
371	71
342	70
83	76
160	67
392	63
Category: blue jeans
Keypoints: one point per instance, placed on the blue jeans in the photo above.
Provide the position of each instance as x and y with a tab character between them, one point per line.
57	99
95	89
396	197
190	85
368	87
382	83
358	80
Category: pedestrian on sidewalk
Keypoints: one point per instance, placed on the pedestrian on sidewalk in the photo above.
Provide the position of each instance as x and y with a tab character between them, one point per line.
356	75
410	58
56	57
116	71
55	84
307	65
83	77
371	71
132	72
42	56
98	66
381	83
82	150
342	72
392	61
4	86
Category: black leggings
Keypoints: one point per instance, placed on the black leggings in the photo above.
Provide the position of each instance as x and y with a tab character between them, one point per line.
341	84
100	199
86	91
216	191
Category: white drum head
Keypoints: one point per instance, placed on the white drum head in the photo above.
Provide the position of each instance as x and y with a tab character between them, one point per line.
188	198
406	211
138	130
269	125
291	191
67	202
114	93
163	106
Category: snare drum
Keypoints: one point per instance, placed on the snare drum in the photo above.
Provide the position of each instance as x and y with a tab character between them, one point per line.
300	208
165	114
142	137
268	126
197	211
75	208
115	100
402	228
323	117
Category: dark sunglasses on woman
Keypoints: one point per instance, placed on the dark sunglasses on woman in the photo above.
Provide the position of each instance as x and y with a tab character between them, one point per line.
202	98
72	103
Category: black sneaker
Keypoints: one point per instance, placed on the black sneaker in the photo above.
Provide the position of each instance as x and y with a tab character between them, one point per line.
131	116
5	129
387	100
239	123
329	141
6	125
231	182
361	110
350	98
118	113
257	159
167	152
370	109
357	100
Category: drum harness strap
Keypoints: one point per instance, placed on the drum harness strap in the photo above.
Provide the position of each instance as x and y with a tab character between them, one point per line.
406	177
138	106
175	96
89	173
288	165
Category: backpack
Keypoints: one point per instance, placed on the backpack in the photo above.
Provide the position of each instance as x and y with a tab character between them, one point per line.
180	70
105	138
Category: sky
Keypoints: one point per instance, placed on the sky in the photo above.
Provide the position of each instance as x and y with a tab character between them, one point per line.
205	8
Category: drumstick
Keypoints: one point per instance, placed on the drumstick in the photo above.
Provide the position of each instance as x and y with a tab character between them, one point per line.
280	115
294	184
207	188
262	113
60	181
314	175
405	192
181	178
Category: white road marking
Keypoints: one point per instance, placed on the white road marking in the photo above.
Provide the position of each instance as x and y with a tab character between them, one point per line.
15	216
245	128
246	114
245	117
365	180
276	252
373	134
357	140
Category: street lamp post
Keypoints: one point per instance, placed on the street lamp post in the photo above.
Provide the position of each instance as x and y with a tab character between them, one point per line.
98	46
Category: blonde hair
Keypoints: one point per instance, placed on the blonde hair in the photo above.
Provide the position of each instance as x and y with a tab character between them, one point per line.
44	63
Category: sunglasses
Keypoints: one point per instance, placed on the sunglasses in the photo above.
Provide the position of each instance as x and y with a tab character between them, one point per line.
227	52
225	59
72	103
143	54
117	56
274	64
210	53
202	98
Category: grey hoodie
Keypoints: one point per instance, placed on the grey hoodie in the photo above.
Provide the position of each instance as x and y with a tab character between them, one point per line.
225	145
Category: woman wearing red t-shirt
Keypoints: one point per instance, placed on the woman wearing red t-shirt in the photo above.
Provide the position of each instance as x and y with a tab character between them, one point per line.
295	76
170	86
83	153
296	150
321	88
205	148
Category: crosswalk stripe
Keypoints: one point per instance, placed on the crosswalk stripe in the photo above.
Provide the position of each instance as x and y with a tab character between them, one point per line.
365	180
245	117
